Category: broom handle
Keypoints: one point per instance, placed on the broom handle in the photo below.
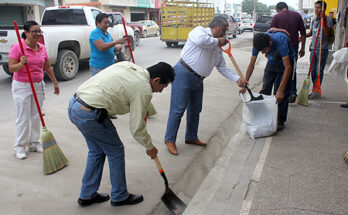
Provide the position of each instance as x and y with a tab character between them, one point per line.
129	46
29	76
315	48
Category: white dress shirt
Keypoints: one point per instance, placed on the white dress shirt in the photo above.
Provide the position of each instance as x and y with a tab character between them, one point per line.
201	52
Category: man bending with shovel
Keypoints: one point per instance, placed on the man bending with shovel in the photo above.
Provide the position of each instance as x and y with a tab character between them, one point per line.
280	54
119	89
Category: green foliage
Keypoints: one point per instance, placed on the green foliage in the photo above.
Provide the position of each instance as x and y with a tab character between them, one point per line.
261	9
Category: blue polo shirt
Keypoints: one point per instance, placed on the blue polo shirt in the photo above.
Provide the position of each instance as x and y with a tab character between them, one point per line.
281	46
100	59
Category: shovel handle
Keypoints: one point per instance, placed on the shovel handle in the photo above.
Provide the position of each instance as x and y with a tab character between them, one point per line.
228	51
158	164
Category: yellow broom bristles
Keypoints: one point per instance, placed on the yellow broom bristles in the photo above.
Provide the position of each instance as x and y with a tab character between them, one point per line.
346	157
302	98
53	157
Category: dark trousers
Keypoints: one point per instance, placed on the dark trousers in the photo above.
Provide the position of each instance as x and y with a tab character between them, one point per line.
271	79
293	78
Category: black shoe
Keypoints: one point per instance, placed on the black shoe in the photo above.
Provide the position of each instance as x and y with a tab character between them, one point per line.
344	105
132	199
96	199
280	126
292	98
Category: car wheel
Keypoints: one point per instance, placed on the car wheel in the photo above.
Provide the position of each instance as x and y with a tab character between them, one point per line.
67	65
145	34
235	35
169	44
158	33
136	38
6	69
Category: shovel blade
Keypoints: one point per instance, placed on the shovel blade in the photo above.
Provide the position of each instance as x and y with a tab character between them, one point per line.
173	203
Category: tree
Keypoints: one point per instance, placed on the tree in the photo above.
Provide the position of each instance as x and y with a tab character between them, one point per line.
248	6
261	9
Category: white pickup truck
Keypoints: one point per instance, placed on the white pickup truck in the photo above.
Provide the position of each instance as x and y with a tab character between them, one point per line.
66	31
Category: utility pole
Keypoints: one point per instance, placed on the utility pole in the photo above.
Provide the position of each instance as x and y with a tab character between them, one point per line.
254	12
300	6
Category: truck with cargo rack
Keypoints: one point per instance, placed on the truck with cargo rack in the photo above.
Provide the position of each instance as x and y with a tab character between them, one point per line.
178	18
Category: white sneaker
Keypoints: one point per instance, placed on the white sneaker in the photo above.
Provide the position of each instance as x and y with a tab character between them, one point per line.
21	155
36	148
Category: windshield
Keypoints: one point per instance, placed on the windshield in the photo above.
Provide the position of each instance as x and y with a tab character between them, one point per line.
246	21
64	17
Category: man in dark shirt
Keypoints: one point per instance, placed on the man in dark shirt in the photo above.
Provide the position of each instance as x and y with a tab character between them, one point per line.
280	54
292	22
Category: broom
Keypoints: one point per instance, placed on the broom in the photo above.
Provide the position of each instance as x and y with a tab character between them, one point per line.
302	98
346	157
316	92
53	157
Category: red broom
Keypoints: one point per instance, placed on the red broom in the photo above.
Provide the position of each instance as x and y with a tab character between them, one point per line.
302	98
53	157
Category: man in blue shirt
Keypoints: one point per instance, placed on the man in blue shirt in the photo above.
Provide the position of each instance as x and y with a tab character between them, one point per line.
278	49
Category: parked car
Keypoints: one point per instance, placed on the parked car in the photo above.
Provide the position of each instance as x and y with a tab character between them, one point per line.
233	25
262	24
247	24
150	28
66	31
116	18
239	25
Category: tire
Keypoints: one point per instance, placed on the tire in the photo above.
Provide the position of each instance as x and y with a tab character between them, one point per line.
175	44
235	35
67	65
145	34
158	33
136	38
6	69
169	44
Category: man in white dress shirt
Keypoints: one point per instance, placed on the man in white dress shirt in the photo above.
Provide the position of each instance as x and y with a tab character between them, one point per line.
198	58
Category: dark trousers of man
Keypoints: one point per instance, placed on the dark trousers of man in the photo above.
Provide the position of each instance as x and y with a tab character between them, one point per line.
293	78
272	78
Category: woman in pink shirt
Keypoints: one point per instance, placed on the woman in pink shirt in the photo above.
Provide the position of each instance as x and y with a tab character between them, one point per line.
28	119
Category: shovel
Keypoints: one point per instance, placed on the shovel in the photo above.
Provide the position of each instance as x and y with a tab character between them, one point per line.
173	203
228	51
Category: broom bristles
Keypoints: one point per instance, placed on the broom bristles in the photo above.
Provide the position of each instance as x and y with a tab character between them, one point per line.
302	98
53	157
346	157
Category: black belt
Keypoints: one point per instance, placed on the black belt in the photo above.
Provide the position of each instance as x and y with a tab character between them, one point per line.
190	69
101	113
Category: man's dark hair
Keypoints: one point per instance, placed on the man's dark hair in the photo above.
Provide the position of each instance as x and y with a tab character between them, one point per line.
261	41
27	25
163	71
331	12
321	4
100	17
219	21
281	5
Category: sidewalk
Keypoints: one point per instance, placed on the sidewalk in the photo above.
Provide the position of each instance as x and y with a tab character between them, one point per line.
300	170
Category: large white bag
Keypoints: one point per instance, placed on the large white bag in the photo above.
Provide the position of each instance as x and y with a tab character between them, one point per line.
260	116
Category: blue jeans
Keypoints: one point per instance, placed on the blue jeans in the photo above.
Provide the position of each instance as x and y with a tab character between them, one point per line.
102	141
186	94
95	70
315	66
272	78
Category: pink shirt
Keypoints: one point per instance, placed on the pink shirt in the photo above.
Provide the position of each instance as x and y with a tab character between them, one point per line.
36	62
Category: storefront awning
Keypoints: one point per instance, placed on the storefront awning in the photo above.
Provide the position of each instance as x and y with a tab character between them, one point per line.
23	2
